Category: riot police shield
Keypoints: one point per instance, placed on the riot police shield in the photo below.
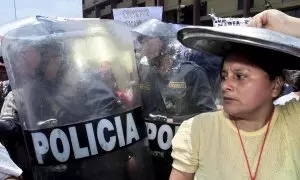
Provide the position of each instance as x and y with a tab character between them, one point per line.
75	86
174	84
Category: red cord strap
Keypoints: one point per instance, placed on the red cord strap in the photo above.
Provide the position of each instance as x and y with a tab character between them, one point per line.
253	177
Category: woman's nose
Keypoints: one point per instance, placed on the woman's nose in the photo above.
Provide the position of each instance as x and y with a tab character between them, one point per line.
227	85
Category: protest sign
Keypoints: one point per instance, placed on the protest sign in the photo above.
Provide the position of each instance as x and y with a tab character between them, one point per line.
137	15
217	21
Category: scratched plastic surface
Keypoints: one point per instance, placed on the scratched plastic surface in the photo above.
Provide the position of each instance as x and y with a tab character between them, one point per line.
176	82
65	73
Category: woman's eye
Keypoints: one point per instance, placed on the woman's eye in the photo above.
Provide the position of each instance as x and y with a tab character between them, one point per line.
240	76
223	77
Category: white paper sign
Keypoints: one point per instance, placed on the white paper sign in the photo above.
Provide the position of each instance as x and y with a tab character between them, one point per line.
137	15
217	21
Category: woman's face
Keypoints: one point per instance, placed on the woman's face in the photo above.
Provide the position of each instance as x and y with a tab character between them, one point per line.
246	88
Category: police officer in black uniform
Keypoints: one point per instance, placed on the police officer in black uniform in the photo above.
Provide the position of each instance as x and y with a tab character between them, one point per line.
173	89
172	86
212	66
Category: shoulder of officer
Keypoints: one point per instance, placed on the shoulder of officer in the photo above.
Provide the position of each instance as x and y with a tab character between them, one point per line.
190	65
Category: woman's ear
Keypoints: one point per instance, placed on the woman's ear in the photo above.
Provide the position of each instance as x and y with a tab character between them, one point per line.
278	83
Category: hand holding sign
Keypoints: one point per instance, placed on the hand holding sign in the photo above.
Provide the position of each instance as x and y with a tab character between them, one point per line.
270	19
277	21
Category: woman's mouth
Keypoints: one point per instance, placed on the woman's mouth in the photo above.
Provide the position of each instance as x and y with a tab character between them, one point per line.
228	99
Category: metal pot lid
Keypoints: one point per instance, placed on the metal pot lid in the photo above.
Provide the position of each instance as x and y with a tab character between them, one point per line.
219	40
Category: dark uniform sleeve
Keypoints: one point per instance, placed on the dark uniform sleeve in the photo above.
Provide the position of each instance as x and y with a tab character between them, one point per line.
201	92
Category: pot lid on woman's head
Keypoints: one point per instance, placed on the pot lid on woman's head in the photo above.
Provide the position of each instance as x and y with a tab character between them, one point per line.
220	40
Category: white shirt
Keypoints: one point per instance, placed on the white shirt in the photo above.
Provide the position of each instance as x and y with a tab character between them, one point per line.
286	98
7	167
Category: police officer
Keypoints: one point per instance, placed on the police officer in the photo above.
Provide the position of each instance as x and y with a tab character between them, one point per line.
149	53
172	86
40	60
173	89
212	66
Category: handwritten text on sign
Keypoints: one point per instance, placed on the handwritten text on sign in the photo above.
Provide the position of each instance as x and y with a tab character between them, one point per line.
136	16
217	21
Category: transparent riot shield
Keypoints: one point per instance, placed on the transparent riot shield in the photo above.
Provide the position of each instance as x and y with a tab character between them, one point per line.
75	85
175	86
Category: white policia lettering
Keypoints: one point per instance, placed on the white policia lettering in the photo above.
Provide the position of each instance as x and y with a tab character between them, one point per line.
42	145
157	134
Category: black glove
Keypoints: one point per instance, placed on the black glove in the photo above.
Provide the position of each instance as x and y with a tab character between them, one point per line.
10	130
